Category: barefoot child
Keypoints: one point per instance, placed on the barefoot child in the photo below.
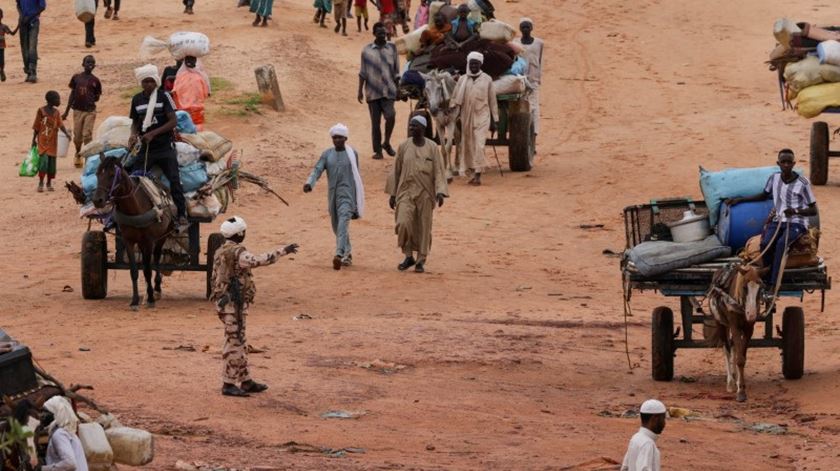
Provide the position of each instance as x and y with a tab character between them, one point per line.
4	30
46	127
361	10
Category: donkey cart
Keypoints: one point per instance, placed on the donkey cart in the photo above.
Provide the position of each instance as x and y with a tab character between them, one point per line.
820	151
643	223
181	253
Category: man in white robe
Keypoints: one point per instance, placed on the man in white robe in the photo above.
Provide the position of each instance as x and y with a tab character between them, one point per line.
476	101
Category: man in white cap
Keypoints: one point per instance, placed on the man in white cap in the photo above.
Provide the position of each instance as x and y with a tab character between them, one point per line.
642	454
64	451
346	194
232	291
418	182
532	51
475	100
152	123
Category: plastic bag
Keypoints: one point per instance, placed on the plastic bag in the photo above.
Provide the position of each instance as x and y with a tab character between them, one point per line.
498	31
29	167
185	122
85	10
180	45
829	52
193	176
187	154
814	99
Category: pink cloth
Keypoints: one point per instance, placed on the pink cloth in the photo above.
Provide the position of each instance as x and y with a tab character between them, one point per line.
422	16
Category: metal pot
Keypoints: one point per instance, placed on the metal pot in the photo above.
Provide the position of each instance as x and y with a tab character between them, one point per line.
690	228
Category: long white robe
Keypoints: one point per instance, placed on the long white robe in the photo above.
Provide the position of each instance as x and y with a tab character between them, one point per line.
477	101
533	53
642	454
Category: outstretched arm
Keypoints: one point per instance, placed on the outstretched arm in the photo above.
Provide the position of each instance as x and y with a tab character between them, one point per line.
250	260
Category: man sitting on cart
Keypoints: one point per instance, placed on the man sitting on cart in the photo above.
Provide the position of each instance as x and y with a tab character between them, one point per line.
793	203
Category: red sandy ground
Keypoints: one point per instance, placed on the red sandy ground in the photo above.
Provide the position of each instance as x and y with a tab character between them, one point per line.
513	340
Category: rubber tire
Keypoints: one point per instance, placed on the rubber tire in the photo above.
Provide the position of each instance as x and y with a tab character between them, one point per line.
662	344
819	153
94	265
520	141
215	241
793	342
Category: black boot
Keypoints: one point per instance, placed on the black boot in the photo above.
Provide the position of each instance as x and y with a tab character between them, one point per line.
252	386
231	390
406	264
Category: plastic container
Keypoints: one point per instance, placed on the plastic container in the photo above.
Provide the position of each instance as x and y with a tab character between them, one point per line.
739	223
97	449
63	144
690	228
131	446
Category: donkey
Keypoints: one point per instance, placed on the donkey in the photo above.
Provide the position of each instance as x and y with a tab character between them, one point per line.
140	223
439	89
734	303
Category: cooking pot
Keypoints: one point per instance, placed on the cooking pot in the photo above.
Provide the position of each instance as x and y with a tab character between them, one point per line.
690	228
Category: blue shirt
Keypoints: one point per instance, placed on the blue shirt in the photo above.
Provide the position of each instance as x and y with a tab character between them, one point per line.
31	9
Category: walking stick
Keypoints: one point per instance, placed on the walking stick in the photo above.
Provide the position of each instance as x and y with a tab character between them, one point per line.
497	156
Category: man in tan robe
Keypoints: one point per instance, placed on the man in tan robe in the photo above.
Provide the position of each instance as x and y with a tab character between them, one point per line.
476	102
417	183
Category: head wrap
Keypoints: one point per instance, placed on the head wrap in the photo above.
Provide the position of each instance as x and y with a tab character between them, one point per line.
142	73
64	416
475	55
420	120
339	130
525	19
233	226
147	71
652	406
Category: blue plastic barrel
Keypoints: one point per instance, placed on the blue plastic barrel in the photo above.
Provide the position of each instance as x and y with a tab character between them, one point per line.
739	223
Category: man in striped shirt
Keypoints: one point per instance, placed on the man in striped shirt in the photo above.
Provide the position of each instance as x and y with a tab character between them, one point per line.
379	76
793	203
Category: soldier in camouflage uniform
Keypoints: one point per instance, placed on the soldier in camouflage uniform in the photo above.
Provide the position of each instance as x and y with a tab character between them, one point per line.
232	292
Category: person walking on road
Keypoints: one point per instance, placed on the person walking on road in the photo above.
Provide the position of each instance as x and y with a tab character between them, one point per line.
642	454
4	30
232	292
85	90
29	26
90	36
112	13
346	194
379	76
476	102
418	182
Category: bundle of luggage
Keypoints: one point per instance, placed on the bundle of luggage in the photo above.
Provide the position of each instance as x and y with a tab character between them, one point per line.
807	61
201	157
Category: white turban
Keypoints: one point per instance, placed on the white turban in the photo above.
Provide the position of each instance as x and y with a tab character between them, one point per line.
475	55
143	73
63	414
420	120
652	406
147	71
525	19
339	130
233	226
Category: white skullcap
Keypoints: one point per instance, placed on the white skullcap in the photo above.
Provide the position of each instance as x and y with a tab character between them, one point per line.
63	414
420	120
147	71
652	406
233	226
339	130
475	55
525	19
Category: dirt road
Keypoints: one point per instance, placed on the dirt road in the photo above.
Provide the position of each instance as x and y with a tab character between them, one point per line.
508	353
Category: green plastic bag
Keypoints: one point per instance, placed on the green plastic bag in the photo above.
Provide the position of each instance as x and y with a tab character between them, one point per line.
29	167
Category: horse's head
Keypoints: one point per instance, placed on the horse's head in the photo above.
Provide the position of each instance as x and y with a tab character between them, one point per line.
109	177
748	283
439	87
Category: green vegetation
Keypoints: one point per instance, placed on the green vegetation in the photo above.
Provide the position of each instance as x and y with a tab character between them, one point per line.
129	93
219	84
242	105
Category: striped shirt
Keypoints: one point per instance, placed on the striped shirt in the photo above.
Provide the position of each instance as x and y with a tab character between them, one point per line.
794	195
380	70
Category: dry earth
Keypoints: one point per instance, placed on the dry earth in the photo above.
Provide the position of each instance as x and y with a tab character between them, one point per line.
513	342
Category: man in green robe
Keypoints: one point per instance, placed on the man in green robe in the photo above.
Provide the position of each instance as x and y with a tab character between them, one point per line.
346	195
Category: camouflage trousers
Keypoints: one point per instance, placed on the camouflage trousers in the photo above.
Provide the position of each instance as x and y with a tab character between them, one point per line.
234	352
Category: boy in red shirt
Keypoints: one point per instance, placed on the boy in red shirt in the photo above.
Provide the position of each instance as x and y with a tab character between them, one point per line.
361	10
47	125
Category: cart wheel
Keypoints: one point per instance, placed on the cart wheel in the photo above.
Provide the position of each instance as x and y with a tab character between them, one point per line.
819	153
521	143
793	342
215	241
94	265
662	344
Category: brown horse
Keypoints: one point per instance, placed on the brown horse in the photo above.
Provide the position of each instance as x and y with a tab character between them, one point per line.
734	302
140	223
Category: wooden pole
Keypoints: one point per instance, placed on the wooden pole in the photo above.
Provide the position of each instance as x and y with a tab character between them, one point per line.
268	87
